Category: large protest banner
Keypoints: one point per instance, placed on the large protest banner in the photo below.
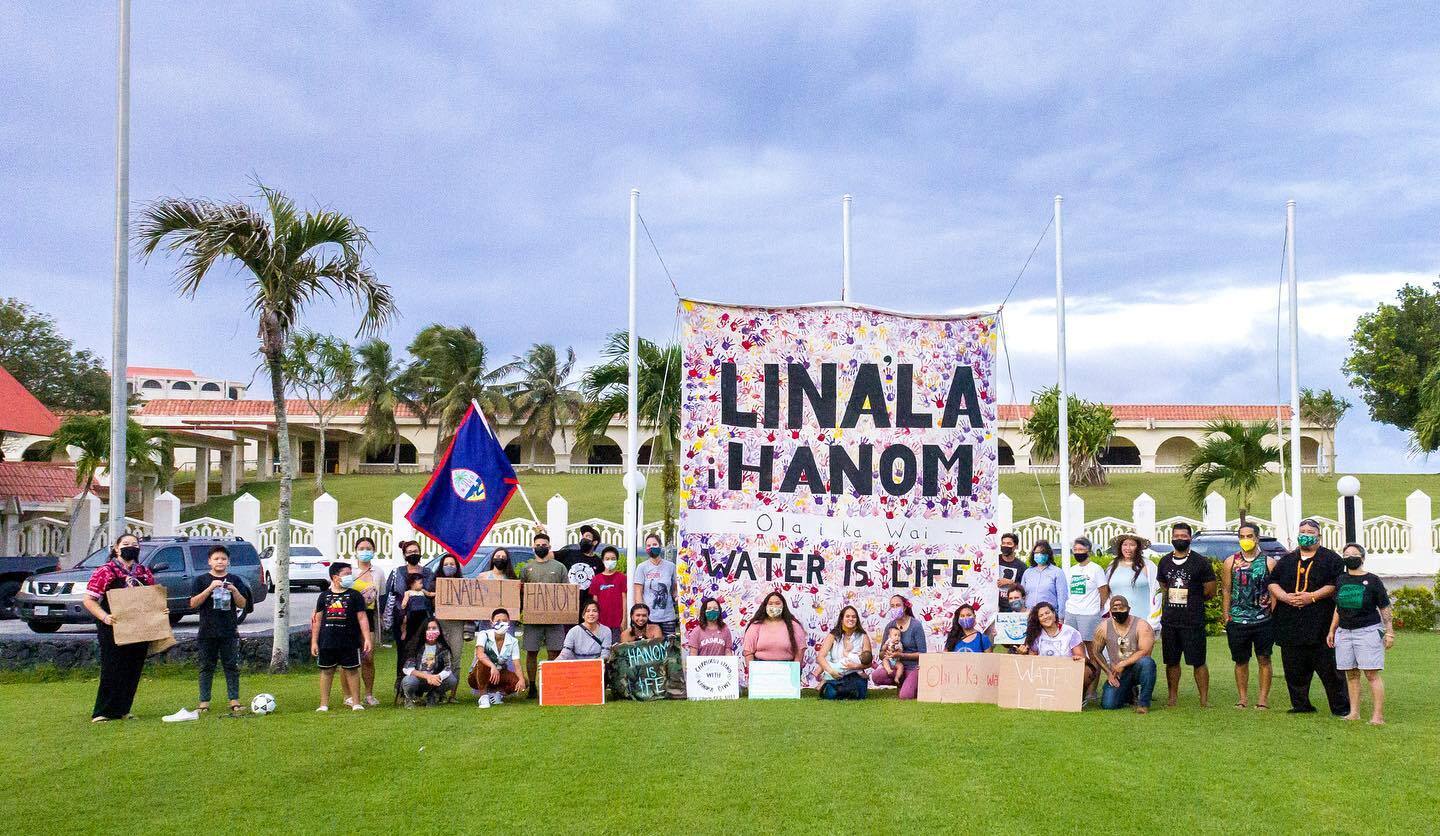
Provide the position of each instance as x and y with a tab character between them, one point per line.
839	454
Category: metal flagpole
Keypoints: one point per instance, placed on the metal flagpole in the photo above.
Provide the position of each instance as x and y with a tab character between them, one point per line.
1064	400
1294	369
120	314
632	418
845	247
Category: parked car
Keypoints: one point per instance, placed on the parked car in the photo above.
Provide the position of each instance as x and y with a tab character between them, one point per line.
308	567
47	601
13	572
480	562
1218	544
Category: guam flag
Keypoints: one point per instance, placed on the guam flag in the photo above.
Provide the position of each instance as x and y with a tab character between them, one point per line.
468	491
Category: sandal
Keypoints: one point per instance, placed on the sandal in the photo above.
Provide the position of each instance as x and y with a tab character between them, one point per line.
1260	706
1241	705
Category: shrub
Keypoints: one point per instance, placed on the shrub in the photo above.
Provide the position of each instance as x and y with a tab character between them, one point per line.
1415	608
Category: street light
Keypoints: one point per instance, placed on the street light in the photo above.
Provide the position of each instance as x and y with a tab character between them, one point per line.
1349	489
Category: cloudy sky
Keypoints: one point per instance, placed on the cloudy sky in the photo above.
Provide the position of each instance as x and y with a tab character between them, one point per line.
490	150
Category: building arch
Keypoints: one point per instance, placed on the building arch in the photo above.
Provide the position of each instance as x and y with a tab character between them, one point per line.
1006	455
210	387
1121	451
152	385
1175	450
1309	451
180	386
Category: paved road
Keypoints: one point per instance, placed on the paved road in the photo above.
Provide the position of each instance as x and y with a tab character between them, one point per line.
302	604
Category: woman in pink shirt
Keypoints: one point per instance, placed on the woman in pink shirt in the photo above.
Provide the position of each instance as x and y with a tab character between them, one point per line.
710	637
774	635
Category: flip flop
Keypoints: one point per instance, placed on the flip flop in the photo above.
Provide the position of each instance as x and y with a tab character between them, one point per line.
1241	705
1260	706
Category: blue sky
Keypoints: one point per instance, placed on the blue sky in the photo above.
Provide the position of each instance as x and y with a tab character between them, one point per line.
490	152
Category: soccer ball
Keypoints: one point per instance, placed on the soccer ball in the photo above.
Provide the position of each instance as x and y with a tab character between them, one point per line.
262	704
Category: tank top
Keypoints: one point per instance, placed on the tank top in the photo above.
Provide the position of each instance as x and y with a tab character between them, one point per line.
1119	645
1249	585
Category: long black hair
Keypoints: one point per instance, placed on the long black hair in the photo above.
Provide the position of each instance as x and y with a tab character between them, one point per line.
417	641
1032	626
838	631
1120	555
509	570
952	639
1044	547
761	616
719	622
630	620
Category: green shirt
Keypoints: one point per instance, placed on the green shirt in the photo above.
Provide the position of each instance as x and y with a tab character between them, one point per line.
548	570
1249	589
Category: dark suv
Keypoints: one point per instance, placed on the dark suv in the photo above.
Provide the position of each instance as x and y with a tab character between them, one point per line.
53	599
1218	544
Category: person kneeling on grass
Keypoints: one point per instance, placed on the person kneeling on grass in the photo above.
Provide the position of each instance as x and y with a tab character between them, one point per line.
218	596
339	633
495	672
589	639
844	656
429	669
1361	631
640	628
1121	650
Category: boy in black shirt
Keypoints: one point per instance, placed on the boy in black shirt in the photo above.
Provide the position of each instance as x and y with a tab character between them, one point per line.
339	633
1361	630
218	596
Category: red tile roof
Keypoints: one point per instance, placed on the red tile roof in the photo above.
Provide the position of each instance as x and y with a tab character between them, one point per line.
1195	413
20	411
37	481
157	371
262	411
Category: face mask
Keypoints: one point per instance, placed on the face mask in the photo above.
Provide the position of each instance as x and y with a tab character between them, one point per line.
586	546
130	553
1307	540
1018	605
541	551
1247	544
895	613
654	551
365	556
1007	551
412	559
347	581
1082	556
774	610
1352	561
432	635
500	626
451	571
712	615
966	622
610	564
502	565
1041	558
1120	616
1180	544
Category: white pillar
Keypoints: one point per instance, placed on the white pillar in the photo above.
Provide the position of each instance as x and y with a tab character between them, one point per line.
86	522
400	528
202	474
230	464
562	462
246	515
1214	511
148	484
10	519
1282	512
1143	513
1004	513
1022	462
264	458
1147	462
557	519
166	515
1417	515
326	517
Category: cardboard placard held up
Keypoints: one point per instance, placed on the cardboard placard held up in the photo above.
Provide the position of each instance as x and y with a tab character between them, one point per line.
572	682
959	677
774	680
140	613
712	678
551	603
1041	683
475	599
1010	627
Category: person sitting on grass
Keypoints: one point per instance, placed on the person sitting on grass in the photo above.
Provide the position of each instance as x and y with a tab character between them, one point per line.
912	644
890	666
339	633
1361	630
963	637
774	634
589	639
429	669
1122	648
844	656
639	627
1045	635
218	596
496	672
710	637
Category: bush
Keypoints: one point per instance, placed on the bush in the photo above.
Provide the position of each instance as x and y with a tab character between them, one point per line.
1415	608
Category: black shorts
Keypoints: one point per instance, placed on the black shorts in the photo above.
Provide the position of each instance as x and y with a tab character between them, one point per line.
349	659
1187	640
1244	638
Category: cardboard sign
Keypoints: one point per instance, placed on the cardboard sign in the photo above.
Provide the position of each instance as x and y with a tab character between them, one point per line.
141	614
551	603
712	678
475	599
959	677
646	670
1041	683
1010	627
572	682
774	680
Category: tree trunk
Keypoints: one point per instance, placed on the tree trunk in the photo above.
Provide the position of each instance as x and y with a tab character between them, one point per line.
670	483
320	462
280	636
396	458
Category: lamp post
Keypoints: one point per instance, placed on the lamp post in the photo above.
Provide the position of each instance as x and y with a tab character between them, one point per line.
1349	489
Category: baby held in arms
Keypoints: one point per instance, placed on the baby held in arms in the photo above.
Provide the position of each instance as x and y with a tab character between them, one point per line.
888	653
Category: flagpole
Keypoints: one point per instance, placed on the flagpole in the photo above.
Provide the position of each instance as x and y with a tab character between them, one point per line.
1294	369
632	418
1064	400
120	313
475	405
845	248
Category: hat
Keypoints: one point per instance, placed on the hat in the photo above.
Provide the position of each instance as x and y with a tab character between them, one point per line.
1115	542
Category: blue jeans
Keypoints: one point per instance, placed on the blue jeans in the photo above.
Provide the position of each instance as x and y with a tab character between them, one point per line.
1141	676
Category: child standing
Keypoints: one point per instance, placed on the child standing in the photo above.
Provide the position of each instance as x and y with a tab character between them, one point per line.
217	596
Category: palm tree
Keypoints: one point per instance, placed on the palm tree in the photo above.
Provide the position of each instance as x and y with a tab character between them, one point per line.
1324	410
148	452
606	386
452	368
288	259
323	369
543	399
381	390
1233	456
1092	426
1425	432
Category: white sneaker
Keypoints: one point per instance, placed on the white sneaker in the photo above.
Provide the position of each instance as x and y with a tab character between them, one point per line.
370	700
484	701
356	707
349	701
496	698
322	709
181	716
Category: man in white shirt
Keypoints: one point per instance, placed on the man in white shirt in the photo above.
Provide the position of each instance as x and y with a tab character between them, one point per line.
1088	589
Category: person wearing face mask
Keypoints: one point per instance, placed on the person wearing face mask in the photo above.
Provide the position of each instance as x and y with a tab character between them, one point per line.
1245	609
120	664
607	589
774	634
1122	653
339	635
710	636
1361	630
654	584
495	672
543	569
1010	569
582	560
395	586
963	637
1088	592
843	656
1044	581
453	628
589	639
1303	586
1186	581
367	583
1012	601
912	644
429	666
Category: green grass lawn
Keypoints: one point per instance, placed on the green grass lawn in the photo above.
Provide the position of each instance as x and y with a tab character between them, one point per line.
773	766
601	496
